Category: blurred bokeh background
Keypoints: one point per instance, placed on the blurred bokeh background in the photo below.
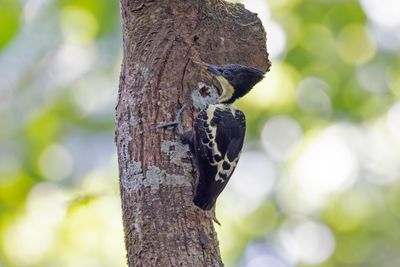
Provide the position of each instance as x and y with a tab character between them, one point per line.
318	181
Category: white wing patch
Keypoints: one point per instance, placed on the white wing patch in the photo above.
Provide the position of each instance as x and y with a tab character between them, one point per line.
227	172
215	153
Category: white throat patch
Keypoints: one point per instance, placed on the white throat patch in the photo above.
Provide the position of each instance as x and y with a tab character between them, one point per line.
227	89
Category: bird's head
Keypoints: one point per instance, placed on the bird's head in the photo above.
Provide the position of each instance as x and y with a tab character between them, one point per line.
236	80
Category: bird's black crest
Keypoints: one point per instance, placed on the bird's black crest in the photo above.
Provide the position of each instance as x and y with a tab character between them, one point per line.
242	78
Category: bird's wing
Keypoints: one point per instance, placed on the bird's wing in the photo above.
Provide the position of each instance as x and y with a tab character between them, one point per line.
219	134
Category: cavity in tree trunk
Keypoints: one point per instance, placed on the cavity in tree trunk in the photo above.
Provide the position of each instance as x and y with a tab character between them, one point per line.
162	226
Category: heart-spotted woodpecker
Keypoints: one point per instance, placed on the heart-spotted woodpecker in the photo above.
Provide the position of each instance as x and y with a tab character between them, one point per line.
216	139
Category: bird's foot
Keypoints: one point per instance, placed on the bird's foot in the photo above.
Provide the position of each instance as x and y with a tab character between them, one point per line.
176	123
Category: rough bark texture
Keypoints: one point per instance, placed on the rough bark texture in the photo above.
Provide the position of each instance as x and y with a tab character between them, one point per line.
162	226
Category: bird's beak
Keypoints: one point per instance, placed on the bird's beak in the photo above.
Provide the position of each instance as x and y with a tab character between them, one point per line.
211	68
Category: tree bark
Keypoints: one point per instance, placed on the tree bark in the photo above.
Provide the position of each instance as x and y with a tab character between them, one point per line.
161	224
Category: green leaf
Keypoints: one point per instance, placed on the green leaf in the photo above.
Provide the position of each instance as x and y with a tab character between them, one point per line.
9	20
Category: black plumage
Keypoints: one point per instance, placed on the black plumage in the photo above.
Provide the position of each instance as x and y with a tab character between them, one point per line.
216	158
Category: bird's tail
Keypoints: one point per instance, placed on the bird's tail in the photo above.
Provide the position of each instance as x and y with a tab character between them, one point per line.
203	203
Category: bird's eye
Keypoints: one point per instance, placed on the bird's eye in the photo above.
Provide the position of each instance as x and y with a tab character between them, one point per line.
226	73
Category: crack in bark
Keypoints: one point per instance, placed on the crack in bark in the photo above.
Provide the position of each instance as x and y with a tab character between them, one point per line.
166	55
139	7
184	70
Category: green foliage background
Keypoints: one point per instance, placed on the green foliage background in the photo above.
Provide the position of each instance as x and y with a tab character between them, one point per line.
324	126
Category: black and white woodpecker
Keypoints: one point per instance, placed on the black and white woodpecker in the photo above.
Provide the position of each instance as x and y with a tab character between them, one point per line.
216	139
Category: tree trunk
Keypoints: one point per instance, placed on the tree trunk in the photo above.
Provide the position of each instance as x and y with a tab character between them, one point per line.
162	226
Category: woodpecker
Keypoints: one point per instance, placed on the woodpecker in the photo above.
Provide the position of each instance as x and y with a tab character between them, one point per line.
216	139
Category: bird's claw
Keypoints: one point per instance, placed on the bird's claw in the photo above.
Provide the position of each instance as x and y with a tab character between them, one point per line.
176	122
167	124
